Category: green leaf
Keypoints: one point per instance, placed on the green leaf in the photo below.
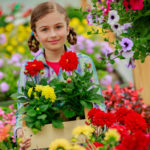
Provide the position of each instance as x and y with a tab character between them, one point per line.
69	113
57	124
43	116
31	113
65	75
86	104
43	108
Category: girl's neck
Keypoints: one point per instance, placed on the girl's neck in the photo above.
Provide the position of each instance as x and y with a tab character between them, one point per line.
54	56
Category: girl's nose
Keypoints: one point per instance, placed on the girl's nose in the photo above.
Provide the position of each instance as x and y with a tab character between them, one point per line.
52	33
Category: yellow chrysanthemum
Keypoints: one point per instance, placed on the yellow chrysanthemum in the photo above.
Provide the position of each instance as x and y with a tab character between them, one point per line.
85	130
38	88
30	92
112	134
35	96
77	147
48	92
60	144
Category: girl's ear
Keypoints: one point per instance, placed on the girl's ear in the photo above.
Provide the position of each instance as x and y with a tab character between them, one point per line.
36	36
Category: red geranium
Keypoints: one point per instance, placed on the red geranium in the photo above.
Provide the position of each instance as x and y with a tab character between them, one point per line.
33	68
136	141
136	4
92	112
69	61
121	113
101	118
134	122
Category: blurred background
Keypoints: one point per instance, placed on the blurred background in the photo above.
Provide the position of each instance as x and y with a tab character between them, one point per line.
115	80
14	33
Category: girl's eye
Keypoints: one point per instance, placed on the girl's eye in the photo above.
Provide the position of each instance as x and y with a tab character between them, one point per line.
45	29
58	27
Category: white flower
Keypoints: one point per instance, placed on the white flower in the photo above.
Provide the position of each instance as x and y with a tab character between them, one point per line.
117	28
113	17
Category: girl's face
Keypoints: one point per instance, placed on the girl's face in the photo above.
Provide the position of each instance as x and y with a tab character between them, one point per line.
52	31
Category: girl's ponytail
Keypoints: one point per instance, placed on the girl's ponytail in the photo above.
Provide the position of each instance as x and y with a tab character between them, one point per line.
72	37
33	44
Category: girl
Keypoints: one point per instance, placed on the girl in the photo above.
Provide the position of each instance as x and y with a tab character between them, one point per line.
50	28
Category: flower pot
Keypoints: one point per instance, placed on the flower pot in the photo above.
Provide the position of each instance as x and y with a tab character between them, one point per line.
48	133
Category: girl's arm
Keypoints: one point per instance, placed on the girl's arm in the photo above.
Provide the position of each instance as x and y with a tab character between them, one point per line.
21	83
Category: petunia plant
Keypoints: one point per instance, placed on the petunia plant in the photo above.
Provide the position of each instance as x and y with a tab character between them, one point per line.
128	20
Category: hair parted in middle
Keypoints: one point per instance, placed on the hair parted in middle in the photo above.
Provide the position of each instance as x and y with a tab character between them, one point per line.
40	11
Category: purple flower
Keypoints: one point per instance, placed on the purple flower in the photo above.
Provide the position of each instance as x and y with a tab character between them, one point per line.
4	87
2	38
99	1
98	56
1	75
15	58
89	50
37	53
1	62
105	49
107	80
126	26
126	44
131	63
128	54
109	68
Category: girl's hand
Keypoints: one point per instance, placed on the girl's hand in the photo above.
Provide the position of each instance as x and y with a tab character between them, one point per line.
26	143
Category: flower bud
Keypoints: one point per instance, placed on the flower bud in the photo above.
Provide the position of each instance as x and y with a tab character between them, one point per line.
88	65
69	80
26	72
42	72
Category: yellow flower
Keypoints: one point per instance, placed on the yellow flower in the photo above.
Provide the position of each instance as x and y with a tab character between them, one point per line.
30	92
80	29
85	130
60	144
9	48
112	134
38	109
48	92
21	49
1	30
13	42
74	22
77	147
35	96
9	27
38	88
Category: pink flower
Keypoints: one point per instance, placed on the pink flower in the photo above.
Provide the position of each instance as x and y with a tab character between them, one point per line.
4	87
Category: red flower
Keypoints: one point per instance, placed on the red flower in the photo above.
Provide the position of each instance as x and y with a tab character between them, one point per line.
125	3
136	4
102	118
120	147
34	67
136	141
97	144
92	112
69	61
134	122
121	129
121	113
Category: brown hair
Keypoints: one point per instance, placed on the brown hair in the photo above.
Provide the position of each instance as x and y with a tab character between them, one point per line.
40	11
